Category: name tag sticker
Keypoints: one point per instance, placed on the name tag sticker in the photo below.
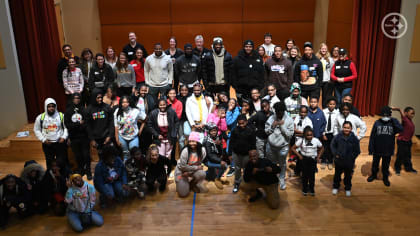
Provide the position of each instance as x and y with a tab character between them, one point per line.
96	73
134	65
130	53
338	67
311	68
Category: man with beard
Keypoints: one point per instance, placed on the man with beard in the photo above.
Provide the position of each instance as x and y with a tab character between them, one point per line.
197	109
309	73
248	71
187	68
131	48
216	67
279	72
158	72
50	130
199	49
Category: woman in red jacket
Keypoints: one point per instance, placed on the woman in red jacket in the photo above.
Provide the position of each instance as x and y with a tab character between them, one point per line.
138	64
343	73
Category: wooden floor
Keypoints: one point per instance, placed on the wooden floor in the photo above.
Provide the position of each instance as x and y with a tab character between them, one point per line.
372	210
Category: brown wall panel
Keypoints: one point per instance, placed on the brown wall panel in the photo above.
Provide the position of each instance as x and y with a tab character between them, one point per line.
117	35
340	18
275	10
134	12
206	11
231	34
300	32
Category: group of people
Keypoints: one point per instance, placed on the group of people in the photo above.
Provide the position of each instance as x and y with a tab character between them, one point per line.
135	108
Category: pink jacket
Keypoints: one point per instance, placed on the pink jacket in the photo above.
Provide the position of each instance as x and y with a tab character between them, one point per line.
221	123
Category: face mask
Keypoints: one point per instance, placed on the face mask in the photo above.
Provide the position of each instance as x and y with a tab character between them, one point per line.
386	119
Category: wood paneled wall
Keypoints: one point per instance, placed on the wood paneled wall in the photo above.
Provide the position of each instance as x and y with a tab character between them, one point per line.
234	20
340	18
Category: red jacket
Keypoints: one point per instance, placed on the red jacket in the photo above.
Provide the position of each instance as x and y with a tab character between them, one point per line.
177	106
139	70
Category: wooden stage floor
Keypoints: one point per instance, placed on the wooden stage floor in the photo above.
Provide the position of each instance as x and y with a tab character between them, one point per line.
372	210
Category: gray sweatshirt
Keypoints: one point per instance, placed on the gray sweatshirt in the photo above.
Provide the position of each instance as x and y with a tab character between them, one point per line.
158	71
126	77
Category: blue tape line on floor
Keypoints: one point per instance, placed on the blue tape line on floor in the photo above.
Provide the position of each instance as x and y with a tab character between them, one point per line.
192	216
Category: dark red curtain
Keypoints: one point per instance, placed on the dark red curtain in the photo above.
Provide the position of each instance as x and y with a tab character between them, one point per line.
373	54
38	47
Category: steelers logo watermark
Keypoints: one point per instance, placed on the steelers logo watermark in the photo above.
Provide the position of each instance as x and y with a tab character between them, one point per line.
394	25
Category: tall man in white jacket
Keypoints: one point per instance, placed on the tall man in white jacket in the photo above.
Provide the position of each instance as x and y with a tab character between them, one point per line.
197	109
50	130
158	72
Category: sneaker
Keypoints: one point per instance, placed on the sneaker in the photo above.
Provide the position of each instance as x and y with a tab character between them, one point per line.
334	191
231	172
202	188
304	193
330	166
348	193
386	182
141	195
282	184
371	178
398	173
323	165
235	188
225	182
412	171
312	193
256	197
218	183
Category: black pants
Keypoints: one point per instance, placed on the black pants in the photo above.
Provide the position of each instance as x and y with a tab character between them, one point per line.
124	91
308	176
348	174
385	165
310	93
213	89
81	150
21	208
403	155
55	151
160	178
327	157
327	91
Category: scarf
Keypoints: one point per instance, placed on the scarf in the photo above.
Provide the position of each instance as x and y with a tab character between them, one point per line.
200	106
218	66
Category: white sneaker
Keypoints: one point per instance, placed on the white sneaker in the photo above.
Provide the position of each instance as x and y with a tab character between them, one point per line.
348	193
282	185
334	191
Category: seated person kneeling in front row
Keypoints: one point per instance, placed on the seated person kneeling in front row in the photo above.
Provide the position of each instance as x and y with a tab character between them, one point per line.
261	173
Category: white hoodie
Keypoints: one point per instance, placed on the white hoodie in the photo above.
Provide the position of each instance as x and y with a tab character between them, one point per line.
158	71
52	127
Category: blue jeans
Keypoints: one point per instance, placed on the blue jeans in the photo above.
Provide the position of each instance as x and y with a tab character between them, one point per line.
216	170
340	92
76	223
113	190
278	156
126	145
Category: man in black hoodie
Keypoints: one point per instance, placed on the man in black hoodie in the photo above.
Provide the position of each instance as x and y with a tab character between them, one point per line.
75	121
308	73
247	71
261	173
100	121
242	140
187	68
216	68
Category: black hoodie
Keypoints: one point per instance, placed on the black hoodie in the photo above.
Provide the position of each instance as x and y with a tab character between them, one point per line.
247	72
187	69
99	118
100	77
315	70
72	117
19	194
